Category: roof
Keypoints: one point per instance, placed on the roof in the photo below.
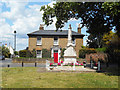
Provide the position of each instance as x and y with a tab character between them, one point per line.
53	33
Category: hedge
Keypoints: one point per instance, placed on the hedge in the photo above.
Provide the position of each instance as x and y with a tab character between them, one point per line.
84	51
27	53
22	53
101	49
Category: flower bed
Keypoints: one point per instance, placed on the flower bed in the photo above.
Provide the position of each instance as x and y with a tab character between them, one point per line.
72	64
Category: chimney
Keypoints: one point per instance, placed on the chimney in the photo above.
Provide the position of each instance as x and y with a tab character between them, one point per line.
41	27
5	45
79	29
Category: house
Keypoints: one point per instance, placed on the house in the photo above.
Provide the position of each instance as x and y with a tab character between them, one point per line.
53	40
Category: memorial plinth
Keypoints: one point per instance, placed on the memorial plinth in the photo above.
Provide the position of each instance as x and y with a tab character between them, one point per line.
70	53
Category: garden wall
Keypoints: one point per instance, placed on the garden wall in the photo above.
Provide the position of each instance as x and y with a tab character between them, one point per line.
39	60
96	56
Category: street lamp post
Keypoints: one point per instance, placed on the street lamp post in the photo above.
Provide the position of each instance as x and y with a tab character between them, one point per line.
14	42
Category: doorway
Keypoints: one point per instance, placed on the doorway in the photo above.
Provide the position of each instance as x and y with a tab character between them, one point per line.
55	56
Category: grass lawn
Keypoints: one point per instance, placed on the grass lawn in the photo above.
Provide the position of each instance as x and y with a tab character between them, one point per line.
30	77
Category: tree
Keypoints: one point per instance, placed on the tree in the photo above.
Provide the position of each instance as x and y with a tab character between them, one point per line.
113	49
113	10
92	42
92	15
107	38
5	51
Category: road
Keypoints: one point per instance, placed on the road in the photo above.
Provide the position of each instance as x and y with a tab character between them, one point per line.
8	62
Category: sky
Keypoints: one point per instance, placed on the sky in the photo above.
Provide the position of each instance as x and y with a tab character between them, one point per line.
25	17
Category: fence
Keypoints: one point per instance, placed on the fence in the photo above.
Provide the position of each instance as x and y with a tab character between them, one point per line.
30	60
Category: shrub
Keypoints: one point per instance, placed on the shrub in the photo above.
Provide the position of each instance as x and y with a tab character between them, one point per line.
34	53
46	53
62	52
101	49
22	53
16	52
84	51
27	53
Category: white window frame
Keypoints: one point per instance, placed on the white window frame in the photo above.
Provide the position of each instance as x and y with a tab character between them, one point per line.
56	43
37	55
39	42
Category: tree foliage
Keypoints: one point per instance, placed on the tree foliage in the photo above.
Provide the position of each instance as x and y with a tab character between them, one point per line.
93	15
113	10
5	51
107	38
113	49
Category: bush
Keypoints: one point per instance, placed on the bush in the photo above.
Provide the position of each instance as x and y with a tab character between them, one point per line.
84	51
22	53
27	53
34	53
46	53
16	53
62	52
101	49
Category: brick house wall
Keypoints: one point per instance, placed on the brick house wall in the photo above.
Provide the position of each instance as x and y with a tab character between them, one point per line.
48	40
47	43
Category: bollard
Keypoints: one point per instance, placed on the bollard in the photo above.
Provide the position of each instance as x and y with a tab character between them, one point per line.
91	64
35	64
8	65
99	65
22	64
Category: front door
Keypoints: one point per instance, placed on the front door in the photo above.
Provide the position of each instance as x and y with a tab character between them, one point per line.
55	56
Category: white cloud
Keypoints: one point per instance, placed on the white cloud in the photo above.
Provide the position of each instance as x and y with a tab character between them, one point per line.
85	40
51	4
25	20
16	10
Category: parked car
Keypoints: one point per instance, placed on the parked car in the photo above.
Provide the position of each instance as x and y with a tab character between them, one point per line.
2	57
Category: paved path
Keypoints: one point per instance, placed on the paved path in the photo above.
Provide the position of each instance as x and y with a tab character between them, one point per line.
6	62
